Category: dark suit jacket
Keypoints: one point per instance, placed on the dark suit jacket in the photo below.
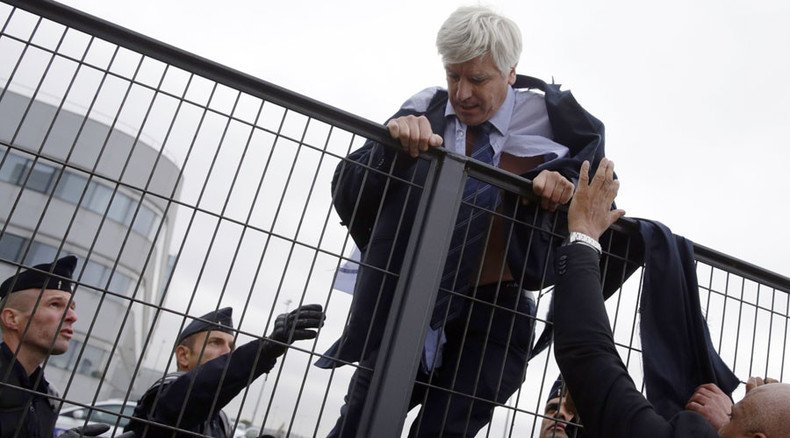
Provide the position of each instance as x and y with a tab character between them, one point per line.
677	351
376	191
605	396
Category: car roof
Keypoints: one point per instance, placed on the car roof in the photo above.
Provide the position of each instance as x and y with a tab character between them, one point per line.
113	401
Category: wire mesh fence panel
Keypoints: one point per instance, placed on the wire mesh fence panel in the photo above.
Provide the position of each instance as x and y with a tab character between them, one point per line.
184	187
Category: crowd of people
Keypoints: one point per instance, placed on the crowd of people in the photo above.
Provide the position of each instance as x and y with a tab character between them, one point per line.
481	331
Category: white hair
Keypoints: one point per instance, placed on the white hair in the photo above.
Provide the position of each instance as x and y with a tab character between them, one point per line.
473	31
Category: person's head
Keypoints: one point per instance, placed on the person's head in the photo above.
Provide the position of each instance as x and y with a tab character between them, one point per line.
205	339
559	406
480	50
761	413
37	312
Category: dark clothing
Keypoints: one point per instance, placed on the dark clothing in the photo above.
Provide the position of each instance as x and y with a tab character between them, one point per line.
198	396
24	414
376	191
375	196
677	351
488	363
605	396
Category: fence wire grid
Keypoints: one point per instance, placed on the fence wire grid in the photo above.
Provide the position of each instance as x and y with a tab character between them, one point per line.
184	187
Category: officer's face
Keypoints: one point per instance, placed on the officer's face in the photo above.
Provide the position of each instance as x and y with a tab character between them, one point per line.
477	89
561	410
217	344
45	327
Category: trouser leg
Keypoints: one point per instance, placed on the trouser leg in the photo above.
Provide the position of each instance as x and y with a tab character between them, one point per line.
484	363
351	412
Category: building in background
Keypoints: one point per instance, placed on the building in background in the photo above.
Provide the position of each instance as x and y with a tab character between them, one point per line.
70	184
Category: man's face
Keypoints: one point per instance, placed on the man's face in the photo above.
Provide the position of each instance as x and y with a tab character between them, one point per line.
477	89
217	344
45	320
565	411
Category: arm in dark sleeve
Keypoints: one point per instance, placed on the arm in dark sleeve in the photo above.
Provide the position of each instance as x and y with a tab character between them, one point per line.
198	403
607	400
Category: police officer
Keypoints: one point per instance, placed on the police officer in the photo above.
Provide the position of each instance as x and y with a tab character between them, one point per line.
560	419
210	366
36	317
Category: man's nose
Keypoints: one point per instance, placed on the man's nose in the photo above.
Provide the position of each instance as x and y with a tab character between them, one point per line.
565	413
71	316
464	90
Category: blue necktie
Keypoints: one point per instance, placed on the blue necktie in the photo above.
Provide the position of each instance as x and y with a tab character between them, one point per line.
469	233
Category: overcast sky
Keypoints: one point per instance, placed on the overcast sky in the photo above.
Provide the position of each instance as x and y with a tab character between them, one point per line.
693	94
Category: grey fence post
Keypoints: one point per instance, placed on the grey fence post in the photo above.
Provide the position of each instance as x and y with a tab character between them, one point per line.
413	302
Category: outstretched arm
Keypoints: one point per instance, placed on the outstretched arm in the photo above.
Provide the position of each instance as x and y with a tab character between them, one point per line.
194	392
606	398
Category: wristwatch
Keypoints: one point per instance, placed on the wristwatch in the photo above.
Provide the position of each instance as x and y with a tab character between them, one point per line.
576	237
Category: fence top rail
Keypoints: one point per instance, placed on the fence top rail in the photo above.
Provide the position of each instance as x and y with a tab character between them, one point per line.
262	89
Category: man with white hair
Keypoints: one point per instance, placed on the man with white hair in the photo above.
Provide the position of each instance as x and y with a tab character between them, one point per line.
481	329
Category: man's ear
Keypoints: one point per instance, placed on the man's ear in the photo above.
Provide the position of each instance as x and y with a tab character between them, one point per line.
511	77
182	356
10	318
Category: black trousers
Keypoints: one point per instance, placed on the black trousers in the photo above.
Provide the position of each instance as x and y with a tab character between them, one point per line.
484	362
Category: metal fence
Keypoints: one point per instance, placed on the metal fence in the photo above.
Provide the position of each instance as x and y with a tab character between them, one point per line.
184	186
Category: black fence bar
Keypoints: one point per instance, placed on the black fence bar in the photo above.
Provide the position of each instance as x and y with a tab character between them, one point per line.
399	355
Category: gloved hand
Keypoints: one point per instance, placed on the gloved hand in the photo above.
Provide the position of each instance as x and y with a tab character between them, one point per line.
295	326
92	430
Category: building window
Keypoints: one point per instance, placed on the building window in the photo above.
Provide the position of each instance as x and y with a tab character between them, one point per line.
11	247
96	275
70	188
41	178
41	253
90	364
120	209
98	198
13	169
145	221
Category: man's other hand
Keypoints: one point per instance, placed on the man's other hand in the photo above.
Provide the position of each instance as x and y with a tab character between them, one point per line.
590	211
414	134
712	403
553	189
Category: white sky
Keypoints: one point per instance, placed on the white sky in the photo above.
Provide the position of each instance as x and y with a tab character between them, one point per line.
693	94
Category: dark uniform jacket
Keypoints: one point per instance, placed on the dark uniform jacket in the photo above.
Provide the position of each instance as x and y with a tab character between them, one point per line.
33	415
193	401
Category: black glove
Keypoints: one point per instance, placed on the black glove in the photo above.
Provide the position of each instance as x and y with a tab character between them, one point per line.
87	430
295	326
92	430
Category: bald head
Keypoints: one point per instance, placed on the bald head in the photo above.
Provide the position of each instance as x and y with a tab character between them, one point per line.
761	413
